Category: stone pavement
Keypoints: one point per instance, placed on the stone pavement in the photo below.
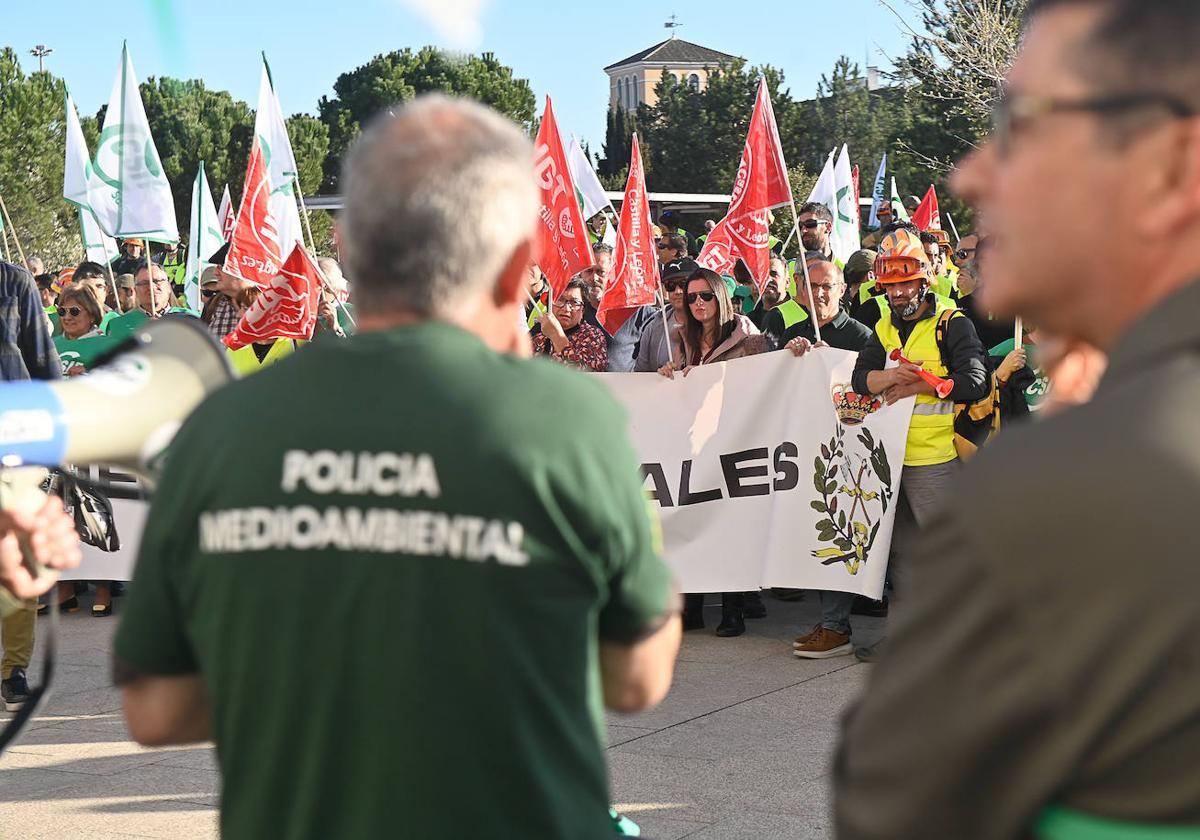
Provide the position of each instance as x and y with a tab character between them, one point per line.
740	748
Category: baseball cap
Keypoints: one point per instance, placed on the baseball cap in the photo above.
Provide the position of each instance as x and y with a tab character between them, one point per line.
125	281
860	263
679	268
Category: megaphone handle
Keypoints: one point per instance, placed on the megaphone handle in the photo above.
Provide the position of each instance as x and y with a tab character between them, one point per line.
21	490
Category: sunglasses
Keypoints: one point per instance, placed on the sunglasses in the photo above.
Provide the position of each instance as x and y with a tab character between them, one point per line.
707	297
898	269
73	311
674	285
811	224
208	293
964	254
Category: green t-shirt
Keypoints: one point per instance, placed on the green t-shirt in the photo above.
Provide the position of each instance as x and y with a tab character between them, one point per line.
123	326
1036	392
82	351
395	597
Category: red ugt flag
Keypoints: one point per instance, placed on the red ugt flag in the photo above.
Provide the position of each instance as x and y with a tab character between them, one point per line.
761	184
254	248
561	247
927	216
285	309
635	280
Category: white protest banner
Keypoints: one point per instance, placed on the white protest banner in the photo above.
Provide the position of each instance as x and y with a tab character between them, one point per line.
760	481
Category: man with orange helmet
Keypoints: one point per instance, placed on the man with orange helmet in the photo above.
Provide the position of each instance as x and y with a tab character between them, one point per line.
930	332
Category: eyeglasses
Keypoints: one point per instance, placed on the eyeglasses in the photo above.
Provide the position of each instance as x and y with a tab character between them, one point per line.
144	284
707	297
661	246
964	254
812	224
674	285
568	304
827	288
1015	110
73	311
899	269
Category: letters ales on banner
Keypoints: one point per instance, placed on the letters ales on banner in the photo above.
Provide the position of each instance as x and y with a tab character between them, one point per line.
769	471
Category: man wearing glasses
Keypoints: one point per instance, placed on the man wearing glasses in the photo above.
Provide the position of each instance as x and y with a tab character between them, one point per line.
152	289
1044	677
816	224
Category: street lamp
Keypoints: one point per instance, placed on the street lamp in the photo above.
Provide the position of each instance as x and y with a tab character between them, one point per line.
41	51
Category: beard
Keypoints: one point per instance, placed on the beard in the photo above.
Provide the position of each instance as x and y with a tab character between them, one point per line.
909	309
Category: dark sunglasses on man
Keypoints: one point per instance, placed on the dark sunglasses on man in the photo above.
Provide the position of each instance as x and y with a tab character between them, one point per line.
811	224
964	254
675	285
707	297
207	294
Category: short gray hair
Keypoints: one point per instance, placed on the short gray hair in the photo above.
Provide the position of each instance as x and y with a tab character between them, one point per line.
438	196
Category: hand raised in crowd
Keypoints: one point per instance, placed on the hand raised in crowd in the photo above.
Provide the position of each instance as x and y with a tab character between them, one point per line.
1012	363
553	330
50	533
800	346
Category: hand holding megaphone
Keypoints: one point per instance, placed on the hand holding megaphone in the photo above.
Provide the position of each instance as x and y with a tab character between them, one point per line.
123	413
941	387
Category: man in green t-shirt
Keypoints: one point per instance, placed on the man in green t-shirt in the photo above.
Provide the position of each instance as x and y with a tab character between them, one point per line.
401	611
154	299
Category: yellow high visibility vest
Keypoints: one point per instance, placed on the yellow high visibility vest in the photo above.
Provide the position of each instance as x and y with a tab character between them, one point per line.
792	313
245	361
931	430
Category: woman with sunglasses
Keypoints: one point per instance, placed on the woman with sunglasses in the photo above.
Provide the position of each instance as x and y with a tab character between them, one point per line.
80	316
714	332
567	338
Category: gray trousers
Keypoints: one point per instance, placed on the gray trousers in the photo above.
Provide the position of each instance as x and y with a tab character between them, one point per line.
921	491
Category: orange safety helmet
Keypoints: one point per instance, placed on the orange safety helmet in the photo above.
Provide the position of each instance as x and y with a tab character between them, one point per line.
901	258
943	238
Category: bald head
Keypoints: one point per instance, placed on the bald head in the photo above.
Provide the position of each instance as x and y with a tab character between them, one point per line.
827	285
439	196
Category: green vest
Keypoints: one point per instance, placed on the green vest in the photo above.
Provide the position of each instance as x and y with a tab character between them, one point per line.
931	430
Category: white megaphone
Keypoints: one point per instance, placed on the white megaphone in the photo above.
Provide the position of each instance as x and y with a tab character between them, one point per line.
123	413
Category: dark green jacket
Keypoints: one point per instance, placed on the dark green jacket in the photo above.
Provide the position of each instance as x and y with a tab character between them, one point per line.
1049	648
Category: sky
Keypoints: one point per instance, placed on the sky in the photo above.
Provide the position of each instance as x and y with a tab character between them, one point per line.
560	47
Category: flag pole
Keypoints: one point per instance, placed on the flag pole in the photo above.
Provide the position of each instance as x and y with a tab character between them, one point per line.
150	277
16	239
4	243
312	244
1018	334
107	267
812	309
957	238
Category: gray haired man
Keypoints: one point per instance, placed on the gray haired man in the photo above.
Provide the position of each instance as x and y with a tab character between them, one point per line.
353	704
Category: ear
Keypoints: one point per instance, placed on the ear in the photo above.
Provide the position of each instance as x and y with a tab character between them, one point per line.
511	285
1170	187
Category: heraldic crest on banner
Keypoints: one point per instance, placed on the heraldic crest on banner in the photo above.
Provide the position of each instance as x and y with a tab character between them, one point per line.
855	491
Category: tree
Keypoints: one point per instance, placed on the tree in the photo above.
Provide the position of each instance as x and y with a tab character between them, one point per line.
399	76
32	132
957	66
613	168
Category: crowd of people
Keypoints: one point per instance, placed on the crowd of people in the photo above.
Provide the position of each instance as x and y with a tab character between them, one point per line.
1040	679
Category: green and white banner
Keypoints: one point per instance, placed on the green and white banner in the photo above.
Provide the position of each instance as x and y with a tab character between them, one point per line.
204	238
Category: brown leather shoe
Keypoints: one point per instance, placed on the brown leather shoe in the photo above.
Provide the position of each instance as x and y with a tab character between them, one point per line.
824	644
804	637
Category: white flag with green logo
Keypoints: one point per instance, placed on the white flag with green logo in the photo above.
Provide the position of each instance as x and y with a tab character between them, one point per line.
204	238
98	246
897	204
845	239
280	162
588	188
127	188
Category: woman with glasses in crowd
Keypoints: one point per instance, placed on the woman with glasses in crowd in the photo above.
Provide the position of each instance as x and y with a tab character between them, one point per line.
715	332
567	338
